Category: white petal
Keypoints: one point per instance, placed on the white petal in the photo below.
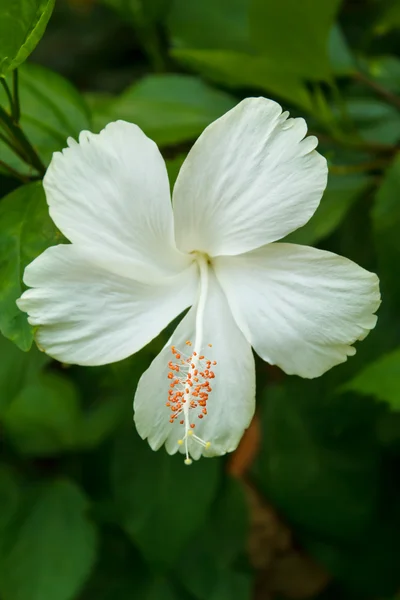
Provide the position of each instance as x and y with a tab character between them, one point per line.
250	179
299	307
110	194
231	403
88	316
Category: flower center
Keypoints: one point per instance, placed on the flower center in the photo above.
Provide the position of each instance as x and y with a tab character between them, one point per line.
190	375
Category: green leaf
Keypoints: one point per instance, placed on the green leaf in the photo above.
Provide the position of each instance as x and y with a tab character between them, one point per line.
304	51
389	18
10	497
241	70
228	524
230	58
380	379
340	55
368	568
341	193
49	547
232	584
158	589
139	11
160	523
120	572
385	70
22	24
376	120
51	111
206	569
16	369
386	226
99	421
25	231
218	24
169	108
44	417
319	460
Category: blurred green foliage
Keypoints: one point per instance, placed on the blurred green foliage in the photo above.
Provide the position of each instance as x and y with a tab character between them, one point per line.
87	510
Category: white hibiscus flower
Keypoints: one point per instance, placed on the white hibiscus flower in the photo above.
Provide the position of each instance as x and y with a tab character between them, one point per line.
136	262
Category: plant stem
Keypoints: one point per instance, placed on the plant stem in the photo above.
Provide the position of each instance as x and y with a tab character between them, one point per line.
29	154
14	173
17	108
8	93
13	146
379	89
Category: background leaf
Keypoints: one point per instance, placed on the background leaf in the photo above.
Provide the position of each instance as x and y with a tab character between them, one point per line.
380	379
49	548
386	223
169	108
25	231
22	24
52	110
305	51
160	524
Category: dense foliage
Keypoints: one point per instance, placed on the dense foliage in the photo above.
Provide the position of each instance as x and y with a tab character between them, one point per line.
87	510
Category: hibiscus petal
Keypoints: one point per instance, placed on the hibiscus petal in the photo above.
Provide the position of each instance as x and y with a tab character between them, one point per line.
110	193
230	406
250	179
88	316
300	308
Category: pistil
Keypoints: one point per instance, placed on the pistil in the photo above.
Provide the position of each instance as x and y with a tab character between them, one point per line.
191	374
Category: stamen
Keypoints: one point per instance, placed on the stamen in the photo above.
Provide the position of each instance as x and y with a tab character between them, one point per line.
189	393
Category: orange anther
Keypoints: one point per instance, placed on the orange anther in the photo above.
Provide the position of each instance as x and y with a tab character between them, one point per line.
192	365
178	356
192	425
201	357
194	353
214	362
210	345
